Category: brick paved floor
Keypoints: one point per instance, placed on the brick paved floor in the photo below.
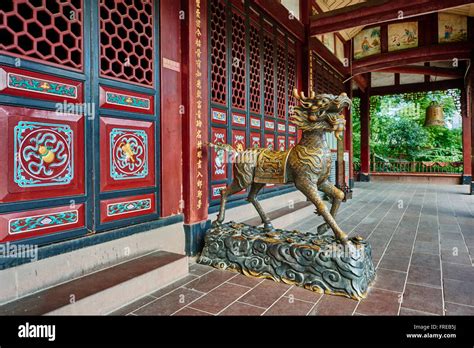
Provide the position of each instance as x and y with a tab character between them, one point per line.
423	242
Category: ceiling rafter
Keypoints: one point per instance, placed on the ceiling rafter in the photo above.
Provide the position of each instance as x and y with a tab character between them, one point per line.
376	11
423	70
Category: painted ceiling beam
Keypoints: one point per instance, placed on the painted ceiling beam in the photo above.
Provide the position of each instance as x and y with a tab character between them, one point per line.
454	52
415	87
422	70
376	11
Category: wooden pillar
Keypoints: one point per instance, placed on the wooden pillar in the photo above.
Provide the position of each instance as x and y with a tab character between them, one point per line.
305	12
365	135
466	135
470	117
171	120
195	121
348	139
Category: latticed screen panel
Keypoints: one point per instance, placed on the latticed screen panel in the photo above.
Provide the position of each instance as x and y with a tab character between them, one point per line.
291	78
218	52
254	70
126	40
325	78
281	81
238	61
46	30
268	79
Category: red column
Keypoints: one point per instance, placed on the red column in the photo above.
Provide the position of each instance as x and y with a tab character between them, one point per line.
301	74
171	122
365	135
466	135
195	133
348	136
470	116
305	12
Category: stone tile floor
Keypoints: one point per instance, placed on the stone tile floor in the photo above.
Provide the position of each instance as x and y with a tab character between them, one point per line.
423	243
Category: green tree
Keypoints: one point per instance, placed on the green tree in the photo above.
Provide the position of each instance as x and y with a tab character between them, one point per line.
396	127
405	137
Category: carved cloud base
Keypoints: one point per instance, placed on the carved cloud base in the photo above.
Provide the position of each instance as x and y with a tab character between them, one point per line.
317	263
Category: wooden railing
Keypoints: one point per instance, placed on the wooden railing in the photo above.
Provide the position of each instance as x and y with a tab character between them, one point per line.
417	167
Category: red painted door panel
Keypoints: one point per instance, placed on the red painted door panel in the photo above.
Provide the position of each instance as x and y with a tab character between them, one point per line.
238	140
281	145
47	154
218	158
127	207
113	98
29	84
127	151
255	140
270	141
34	223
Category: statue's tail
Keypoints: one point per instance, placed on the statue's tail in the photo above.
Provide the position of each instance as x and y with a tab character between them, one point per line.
221	146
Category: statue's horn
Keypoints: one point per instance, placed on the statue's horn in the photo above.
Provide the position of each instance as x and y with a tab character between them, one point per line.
295	94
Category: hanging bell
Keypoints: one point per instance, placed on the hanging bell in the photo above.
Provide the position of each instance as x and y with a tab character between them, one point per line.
434	115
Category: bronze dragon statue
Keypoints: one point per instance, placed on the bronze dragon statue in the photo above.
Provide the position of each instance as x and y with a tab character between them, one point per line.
307	164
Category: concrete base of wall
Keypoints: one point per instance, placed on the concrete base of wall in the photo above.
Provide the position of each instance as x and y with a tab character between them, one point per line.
20	281
31	277
440	179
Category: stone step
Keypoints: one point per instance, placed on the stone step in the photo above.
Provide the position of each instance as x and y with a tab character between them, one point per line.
106	290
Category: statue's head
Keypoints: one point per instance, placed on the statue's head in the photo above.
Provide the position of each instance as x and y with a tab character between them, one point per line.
320	112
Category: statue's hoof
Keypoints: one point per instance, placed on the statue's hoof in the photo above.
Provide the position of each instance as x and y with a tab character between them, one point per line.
268	227
323	228
215	223
357	239
344	241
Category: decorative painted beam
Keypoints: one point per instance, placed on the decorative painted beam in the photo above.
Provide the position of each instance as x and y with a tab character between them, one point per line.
454	52
422	70
280	13
415	87
376	11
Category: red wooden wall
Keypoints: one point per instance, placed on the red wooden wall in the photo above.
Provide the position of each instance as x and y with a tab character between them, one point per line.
171	108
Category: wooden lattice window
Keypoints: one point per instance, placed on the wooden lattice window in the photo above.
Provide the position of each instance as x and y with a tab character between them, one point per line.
218	52
268	70
325	78
254	70
281	81
126	40
291	78
49	31
238	61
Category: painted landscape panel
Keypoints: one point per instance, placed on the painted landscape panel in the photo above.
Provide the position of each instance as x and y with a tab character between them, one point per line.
367	43
451	28
402	36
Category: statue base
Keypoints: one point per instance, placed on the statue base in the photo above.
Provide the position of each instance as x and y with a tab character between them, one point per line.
317	263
